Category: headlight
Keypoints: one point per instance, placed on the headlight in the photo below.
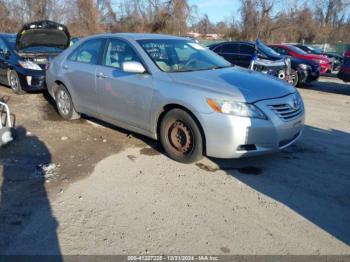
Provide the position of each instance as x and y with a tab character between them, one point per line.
299	99
303	66
235	108
29	65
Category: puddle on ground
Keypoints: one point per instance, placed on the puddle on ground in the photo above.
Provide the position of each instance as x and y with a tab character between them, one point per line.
148	151
51	114
248	170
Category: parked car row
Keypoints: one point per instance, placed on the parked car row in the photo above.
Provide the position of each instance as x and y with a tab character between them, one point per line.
167	88
336	60
243	53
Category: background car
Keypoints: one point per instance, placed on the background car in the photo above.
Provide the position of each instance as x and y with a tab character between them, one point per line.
294	51
346	55
344	72
246	54
241	53
24	56
335	59
175	90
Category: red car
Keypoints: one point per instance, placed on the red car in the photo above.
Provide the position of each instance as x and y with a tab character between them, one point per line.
297	52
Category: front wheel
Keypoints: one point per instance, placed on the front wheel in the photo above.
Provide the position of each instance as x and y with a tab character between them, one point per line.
180	137
15	83
65	105
295	78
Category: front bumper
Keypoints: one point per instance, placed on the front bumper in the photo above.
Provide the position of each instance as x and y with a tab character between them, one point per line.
313	75
32	80
232	137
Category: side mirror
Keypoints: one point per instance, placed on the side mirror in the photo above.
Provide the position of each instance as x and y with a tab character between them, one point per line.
133	67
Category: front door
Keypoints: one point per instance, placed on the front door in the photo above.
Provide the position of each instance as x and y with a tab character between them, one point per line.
124	97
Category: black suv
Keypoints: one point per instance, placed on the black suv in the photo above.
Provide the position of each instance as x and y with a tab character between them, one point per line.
335	59
25	55
242	54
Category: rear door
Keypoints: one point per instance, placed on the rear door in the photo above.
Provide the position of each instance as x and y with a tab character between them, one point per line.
230	51
79	72
124	97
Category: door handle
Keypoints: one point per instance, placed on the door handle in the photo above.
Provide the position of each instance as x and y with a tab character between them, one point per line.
101	75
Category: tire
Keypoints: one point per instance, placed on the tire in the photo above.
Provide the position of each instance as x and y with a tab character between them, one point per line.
181	137
15	83
64	104
295	76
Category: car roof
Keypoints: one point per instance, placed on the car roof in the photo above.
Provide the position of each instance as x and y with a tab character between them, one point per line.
140	36
279	45
235	42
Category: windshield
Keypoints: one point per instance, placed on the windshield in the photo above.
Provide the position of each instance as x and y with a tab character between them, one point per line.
297	49
11	41
267	50
315	50
41	49
173	55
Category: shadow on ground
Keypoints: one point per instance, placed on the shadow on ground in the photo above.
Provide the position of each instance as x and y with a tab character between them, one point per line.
330	87
311	177
24	198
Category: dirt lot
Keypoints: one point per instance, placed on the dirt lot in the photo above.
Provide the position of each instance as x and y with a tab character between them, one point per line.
85	187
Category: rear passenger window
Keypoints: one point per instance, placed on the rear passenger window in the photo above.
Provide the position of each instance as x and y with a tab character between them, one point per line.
230	48
88	52
247	49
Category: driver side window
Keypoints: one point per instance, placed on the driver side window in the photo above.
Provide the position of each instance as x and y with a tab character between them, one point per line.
117	52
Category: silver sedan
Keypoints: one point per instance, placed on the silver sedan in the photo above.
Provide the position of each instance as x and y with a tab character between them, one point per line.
173	89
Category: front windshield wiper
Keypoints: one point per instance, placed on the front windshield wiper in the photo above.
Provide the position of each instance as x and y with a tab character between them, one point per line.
218	67
200	69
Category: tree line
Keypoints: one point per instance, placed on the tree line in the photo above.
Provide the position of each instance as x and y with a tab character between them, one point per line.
270	20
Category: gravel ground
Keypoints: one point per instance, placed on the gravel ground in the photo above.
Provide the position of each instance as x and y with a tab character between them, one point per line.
85	187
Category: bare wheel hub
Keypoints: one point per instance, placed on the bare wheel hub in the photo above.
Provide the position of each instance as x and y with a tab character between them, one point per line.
181	137
63	102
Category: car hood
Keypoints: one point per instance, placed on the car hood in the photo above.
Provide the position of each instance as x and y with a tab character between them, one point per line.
43	33
242	84
296	61
320	57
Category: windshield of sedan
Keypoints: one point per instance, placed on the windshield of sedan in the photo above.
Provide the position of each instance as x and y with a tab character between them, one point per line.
11	41
315	50
267	50
297	49
173	55
41	49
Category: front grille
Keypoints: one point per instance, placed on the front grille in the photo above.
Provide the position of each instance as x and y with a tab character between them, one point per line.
287	112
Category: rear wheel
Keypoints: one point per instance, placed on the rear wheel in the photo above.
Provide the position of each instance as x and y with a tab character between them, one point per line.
181	137
15	83
65	105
